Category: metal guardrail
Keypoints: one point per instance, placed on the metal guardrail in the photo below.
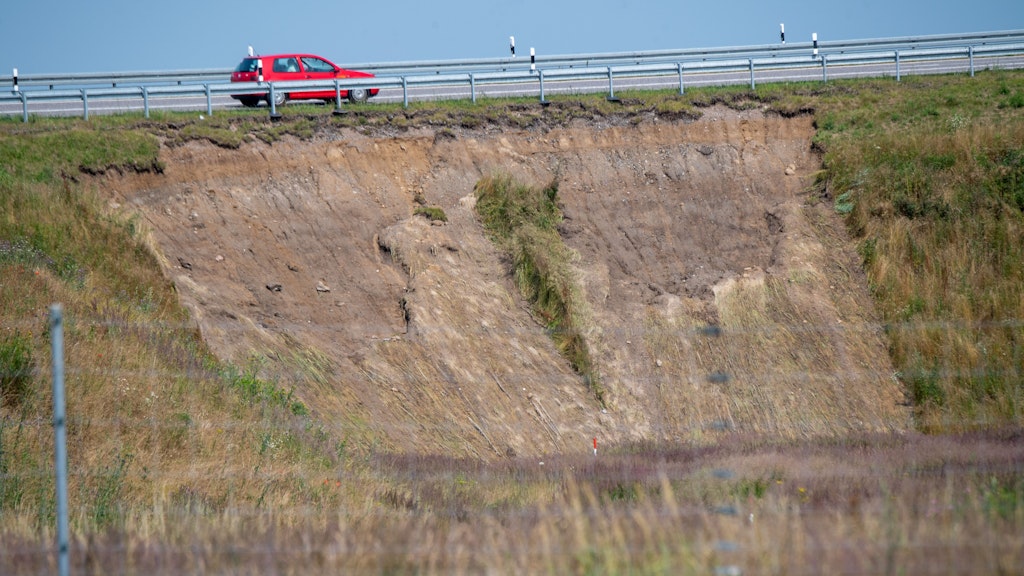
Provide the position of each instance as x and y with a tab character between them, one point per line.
610	66
113	80
701	54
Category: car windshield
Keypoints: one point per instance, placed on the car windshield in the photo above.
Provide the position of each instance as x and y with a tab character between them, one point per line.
247	65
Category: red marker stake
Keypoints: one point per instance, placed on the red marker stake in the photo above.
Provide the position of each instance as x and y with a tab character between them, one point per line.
595	446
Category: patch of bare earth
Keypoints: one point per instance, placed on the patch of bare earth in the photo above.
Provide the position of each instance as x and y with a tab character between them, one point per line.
721	297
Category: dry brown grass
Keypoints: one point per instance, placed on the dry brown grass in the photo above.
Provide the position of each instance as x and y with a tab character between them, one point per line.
876	504
153	419
181	465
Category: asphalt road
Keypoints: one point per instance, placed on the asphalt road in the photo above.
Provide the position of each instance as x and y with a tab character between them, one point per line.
812	72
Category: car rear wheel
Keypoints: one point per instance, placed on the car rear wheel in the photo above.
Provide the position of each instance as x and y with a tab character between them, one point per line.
279	98
358	95
249	102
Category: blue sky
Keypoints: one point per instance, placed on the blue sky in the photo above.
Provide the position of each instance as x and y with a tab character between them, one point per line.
43	36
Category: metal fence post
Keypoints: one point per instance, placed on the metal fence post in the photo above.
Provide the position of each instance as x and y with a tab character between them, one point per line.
824	68
897	65
750	61
145	101
24	107
970	57
679	65
540	74
472	87
405	92
209	101
60	435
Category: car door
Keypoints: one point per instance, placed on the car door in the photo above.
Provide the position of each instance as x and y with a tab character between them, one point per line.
285	69
316	68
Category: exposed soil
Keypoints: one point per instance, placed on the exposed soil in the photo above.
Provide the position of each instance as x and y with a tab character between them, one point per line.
722	295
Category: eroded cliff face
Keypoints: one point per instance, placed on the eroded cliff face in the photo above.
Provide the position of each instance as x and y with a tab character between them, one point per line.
721	296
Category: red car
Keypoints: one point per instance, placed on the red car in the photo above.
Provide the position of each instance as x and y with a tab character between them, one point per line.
293	67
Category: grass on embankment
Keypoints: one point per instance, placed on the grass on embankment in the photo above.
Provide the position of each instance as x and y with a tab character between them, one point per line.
153	419
930	173
171	447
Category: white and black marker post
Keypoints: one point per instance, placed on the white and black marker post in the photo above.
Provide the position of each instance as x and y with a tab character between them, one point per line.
782	33
512	45
259	70
15	79
533	60
814	39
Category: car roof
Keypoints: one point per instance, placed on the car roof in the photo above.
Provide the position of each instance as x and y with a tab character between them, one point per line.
288	55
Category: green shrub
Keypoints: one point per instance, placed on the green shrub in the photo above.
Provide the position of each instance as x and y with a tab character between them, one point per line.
258	391
107	503
1002	498
433	213
926	388
12	486
1015	101
15	369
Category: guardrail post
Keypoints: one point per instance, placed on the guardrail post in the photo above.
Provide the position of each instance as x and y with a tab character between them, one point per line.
472	86
405	92
209	100
24	107
273	106
337	99
85	105
970	57
540	75
750	62
679	65
611	86
145	101
897	65
824	68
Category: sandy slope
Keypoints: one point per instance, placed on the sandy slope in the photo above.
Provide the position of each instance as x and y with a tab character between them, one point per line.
417	340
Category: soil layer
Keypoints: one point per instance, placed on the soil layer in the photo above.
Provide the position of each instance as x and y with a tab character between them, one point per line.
721	294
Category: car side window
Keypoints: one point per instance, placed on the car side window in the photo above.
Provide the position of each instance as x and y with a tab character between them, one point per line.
312	64
286	65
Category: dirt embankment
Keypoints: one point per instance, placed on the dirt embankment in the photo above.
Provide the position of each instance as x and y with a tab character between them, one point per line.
720	295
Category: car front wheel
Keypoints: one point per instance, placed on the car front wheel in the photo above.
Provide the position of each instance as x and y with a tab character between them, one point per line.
358	95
